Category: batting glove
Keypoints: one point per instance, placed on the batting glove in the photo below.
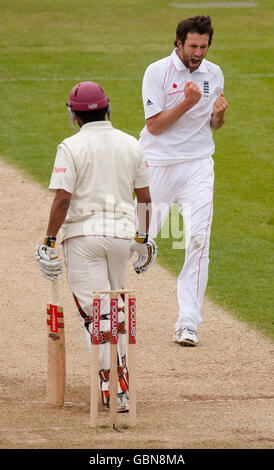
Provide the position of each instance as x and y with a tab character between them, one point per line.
146	250
48	259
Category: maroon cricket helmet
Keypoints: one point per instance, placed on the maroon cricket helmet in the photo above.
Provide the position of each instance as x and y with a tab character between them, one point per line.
87	96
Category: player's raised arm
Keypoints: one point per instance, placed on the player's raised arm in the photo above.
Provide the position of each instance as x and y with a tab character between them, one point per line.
218	116
163	120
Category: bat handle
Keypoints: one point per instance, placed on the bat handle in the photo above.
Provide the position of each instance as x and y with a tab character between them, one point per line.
55	292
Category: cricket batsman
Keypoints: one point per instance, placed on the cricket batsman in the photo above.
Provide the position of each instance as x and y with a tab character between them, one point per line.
95	173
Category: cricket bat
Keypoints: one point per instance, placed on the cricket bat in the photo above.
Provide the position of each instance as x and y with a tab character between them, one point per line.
56	349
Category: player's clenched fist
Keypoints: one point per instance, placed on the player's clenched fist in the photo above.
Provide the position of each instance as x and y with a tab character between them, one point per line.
220	105
48	259
146	250
218	115
192	93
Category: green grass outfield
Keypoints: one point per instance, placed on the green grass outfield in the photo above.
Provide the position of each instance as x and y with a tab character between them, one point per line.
48	46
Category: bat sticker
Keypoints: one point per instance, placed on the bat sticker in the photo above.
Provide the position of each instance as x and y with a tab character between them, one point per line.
55	319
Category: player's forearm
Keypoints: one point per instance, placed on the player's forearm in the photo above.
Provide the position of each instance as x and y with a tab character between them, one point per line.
219	109
58	212
144	216
162	121
144	209
217	121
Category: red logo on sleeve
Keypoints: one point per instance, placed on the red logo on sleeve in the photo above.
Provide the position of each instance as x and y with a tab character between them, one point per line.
59	170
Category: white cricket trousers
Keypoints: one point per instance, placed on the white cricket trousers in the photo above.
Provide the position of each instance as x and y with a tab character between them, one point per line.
191	185
96	263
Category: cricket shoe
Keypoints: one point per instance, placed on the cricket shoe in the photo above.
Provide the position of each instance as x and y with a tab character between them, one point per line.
186	337
122	403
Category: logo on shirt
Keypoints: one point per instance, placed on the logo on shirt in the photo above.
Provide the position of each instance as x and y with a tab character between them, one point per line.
59	170
174	85
206	88
149	103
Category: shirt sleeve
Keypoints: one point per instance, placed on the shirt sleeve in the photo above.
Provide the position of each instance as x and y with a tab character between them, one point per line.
141	179
63	173
152	92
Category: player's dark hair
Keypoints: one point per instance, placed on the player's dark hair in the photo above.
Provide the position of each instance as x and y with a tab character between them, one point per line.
91	116
196	24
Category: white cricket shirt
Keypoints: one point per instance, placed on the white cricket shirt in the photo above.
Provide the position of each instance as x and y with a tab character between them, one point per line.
163	88
100	166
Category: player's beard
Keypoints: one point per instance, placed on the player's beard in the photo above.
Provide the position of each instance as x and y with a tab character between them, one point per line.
190	62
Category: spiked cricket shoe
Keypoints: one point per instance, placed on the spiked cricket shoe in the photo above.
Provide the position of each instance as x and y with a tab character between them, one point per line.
122	403
186	337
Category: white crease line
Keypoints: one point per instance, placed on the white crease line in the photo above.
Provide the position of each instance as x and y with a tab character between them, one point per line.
63	428
189	400
210	400
36	402
215	5
50	428
65	79
62	79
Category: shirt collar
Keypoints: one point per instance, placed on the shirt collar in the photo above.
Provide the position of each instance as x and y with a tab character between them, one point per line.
96	125
180	66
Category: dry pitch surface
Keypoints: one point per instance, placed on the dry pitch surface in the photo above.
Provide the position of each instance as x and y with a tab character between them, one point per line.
217	395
